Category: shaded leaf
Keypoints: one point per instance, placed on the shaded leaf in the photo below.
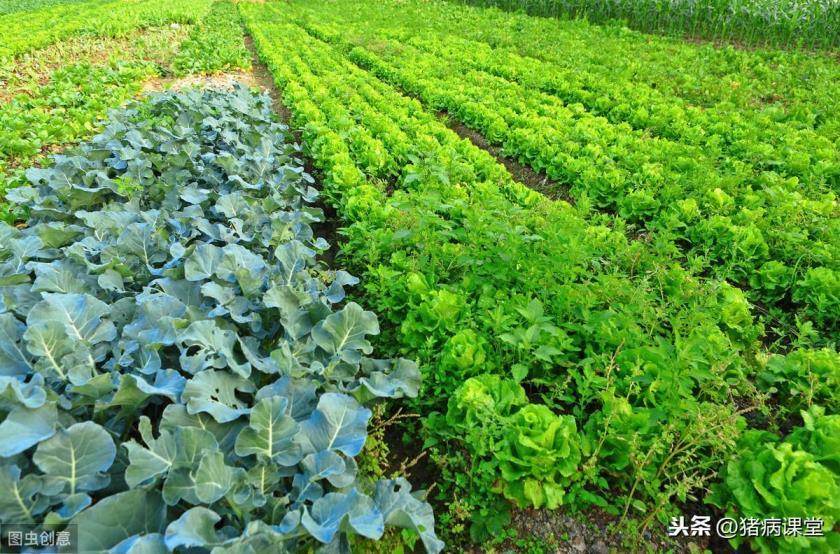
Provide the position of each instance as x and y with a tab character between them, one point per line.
23	428
116	518
193	529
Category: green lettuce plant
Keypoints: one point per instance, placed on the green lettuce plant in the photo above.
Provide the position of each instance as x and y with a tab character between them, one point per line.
795	477
819	292
532	453
465	352
539	456
482	399
820	436
802	378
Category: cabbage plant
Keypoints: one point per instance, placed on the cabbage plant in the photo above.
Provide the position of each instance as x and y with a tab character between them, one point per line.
178	370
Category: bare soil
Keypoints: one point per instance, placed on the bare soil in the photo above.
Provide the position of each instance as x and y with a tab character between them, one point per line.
224	81
537	181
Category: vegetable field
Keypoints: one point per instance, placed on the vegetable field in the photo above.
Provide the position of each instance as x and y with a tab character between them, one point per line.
409	275
808	23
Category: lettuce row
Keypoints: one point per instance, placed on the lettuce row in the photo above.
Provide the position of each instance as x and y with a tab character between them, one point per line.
171	346
477	274
730	215
641	79
753	136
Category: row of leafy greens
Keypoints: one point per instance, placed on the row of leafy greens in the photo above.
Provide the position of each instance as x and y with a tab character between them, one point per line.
565	363
178	370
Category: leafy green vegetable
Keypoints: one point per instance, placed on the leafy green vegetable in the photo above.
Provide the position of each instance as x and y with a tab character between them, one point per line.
539	456
770	477
536	451
215	44
802	378
189	324
482	398
648	329
48	24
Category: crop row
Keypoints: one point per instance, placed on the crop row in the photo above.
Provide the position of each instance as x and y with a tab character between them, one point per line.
764	85
215	44
17	6
756	138
42	27
66	107
175	356
791	148
478	278
73	97
758	229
